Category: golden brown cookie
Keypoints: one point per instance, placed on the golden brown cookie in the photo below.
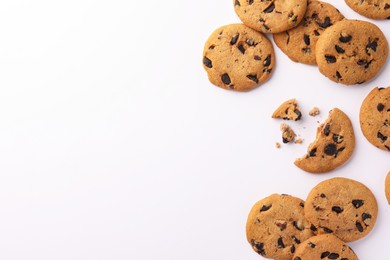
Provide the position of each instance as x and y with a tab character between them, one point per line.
344	207
324	247
276	226
333	146
378	9
299	43
387	187
351	52
270	16
288	135
375	118
238	58
289	110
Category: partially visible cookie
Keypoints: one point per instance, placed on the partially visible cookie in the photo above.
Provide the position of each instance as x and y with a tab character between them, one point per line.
351	52
333	146
289	110
375	118
238	58
276	226
270	16
288	135
378	9
344	207
387	187
324	247
299	43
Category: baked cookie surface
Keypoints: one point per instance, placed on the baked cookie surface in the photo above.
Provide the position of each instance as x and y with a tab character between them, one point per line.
324	247
238	58
270	16
276	226
375	118
299	42
343	207
333	146
387	187
288	110
351	52
378	9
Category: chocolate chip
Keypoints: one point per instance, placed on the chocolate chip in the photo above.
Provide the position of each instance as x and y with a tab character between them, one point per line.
359	226
257	57
251	42
280	243
231	86
306	50
380	107
226	79
316	33
298	113
325	24
325	254
241	48
345	38
364	63
338	75
337	209
237	3
234	39
313	228
372	45
267	61
322	195
250	2
259	247
312	153
312	245
333	256
338	138
296	240
330	149
330	58
358	203
381	136
306	39
327	230
292	249
270	8
388	148
265	207
253	78
211	47
365	216
265	27
326	130
339	49
281	225
295	224
302	204
207	62
387	6
297	258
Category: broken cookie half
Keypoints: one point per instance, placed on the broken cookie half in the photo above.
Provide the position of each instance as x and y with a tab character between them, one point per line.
289	110
333	146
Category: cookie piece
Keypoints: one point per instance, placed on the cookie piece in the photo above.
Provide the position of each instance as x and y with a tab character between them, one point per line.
375	118
299	43
333	146
276	226
288	135
387	187
315	111
324	247
238	58
344	207
289	110
351	52
378	9
270	16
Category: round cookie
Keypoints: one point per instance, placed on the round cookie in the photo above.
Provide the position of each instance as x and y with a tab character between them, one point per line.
387	187
375	118
276	226
343	207
333	146
299	43
270	16
379	9
324	247
238	58
351	52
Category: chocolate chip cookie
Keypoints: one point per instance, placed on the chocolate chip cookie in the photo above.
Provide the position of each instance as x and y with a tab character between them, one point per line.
333	146
276	226
387	187
351	52
375	118
378	9
238	58
299	43
289	110
343	207
270	16
324	247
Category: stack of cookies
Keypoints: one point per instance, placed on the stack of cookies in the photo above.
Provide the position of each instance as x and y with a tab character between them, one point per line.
239	56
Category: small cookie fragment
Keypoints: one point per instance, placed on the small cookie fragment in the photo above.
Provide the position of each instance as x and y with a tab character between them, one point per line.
333	146
289	110
288	135
276	226
351	52
277	145
299	141
324	247
343	207
378	9
375	118
236	57
315	111
387	187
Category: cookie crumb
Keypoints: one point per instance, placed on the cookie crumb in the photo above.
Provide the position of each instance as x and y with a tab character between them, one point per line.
299	141
288	135
315	111
277	145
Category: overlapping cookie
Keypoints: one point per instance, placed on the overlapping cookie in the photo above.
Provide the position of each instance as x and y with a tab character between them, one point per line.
378	9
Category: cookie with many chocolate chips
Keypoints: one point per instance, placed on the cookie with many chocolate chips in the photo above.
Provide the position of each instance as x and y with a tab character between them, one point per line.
270	16
288	110
324	247
238	58
378	9
343	207
276	226
299	43
333	146
351	52
375	118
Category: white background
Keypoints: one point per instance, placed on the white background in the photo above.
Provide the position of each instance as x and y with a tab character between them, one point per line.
114	145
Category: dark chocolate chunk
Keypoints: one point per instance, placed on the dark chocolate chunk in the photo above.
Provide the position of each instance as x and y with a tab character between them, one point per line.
281	225
327	230
345	38
207	62
265	207
226	79
234	39
339	49
297	258
306	50
338	75
267	61
237	3
312	245
280	243
270	8
330	58
253	78
259	247
211	47
302	204
250	2
325	24
322	195
265	27
364	63
387	6
366	216
372	45
382	137
312	153
330	149
326	130
241	48
306	39
257	57
333	256
296	240
298	113
359	226
231	86
380	107
337	209
338	138
325	254
313	228
316	33
292	249
358	203
295	224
